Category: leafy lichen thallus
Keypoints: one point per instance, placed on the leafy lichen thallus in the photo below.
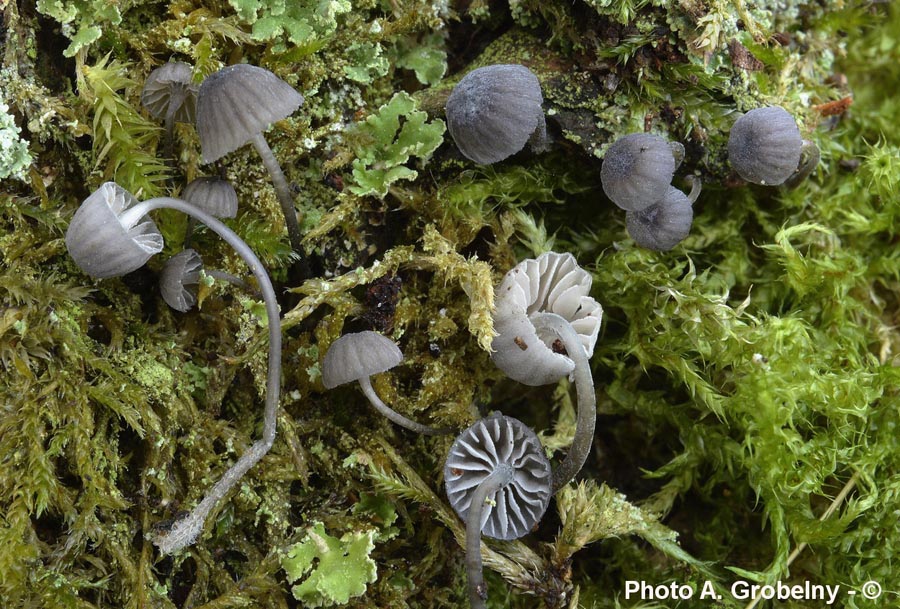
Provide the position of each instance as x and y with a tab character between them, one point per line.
234	107
357	357
111	235
498	480
547	326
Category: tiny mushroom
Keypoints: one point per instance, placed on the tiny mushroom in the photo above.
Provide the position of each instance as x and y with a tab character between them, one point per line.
214	195
667	222
234	107
110	235
169	94
360	355
547	326
765	147
180	279
494	111
638	169
497	479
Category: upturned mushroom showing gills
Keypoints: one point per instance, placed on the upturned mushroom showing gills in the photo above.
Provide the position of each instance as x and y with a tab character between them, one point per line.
98	240
666	223
547	326
169	94
765	147
638	169
360	355
234	107
494	111
498	481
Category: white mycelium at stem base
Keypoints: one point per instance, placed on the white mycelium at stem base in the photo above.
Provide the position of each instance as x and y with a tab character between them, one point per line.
120	215
527	347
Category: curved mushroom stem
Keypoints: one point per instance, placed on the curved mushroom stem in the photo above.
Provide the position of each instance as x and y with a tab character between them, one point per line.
176	100
809	159
696	187
282	190
395	416
587	400
497	479
232	279
186	530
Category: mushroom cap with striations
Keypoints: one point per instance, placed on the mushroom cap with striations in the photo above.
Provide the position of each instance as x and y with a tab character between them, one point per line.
637	170
494	111
98	241
664	224
490	442
214	195
171	82
552	283
764	146
237	103
358	355
179	280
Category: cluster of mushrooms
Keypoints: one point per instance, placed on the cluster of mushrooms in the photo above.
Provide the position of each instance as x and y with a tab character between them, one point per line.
497	475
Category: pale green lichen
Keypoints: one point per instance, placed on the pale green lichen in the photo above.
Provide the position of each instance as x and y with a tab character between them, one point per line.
14	156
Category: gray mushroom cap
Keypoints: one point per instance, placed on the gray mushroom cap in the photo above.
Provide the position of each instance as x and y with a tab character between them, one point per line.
213	195
98	241
551	283
496	440
664	224
171	83
637	170
179	280
358	355
237	103
494	111
764	146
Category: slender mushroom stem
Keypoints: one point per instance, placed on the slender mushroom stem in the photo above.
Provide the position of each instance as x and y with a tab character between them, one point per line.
587	400
696	187
186	530
281	189
175	103
501	476
395	416
232	279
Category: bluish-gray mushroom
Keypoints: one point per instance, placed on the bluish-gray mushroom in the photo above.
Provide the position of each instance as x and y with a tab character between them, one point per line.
179	280
638	169
765	147
494	111
547	325
357	357
666	223
498	480
234	107
214	195
98	240
169	94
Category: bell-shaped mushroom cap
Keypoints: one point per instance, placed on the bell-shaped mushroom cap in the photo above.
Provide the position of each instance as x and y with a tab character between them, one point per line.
552	283
477	451
100	244
238	102
358	355
494	111
213	195
663	225
764	146
171	83
637	170
179	280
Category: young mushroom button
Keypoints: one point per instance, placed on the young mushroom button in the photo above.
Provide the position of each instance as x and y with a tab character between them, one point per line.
666	223
765	147
360	355
638	168
234	107
498	481
494	111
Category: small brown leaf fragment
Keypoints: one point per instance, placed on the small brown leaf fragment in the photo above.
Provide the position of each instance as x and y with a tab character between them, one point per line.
520	343
834	108
742	58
